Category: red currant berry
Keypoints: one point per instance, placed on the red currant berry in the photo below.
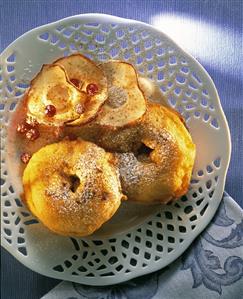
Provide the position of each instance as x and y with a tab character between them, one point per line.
23	127
50	110
92	89
79	108
25	157
32	134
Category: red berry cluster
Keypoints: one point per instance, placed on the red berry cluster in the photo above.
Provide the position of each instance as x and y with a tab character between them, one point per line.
30	130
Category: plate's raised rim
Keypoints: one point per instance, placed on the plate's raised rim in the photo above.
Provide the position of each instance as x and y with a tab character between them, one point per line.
105	18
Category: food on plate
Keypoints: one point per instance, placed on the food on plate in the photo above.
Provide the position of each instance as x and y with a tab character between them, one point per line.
128	138
126	103
125	139
73	187
89	78
151	91
92	135
161	168
52	100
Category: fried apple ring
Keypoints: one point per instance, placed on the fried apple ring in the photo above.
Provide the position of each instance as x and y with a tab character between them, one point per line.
73	187
161	168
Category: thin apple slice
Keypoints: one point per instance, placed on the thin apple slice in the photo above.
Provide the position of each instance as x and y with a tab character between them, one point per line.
52	100
89	78
126	103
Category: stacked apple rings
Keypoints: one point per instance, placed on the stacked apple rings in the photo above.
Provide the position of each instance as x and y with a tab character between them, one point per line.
127	147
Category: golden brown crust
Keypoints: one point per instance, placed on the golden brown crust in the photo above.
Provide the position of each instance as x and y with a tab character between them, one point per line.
126	139
163	169
73	187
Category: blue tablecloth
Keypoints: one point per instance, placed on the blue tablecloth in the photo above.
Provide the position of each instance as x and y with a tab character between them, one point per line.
212	32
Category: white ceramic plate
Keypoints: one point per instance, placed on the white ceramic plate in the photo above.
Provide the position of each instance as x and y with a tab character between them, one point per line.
137	240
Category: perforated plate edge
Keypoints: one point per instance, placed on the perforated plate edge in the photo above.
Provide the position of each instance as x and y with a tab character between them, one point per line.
218	193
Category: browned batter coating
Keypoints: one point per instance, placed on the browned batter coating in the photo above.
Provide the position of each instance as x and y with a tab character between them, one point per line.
73	187
161	168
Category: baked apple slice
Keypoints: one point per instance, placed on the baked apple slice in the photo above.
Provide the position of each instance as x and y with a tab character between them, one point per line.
52	100
89	78
126	102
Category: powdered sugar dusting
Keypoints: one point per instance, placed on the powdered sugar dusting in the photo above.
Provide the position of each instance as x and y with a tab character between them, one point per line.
133	172
117	96
98	194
